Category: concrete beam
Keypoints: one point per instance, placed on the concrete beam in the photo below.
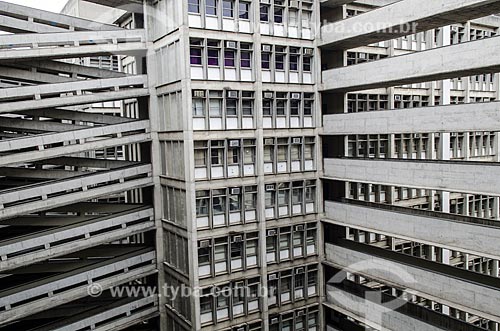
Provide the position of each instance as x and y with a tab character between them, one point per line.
460	60
42	196
335	3
118	315
402	18
451	118
472	238
43	46
49	146
74	237
65	114
32	126
58	67
134	6
452	176
46	174
68	287
377	316
37	20
76	93
479	299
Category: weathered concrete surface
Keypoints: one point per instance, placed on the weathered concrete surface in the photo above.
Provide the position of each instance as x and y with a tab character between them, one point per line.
453	118
452	176
392	21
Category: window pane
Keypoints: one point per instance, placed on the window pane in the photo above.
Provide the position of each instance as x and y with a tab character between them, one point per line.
195	56
244	9
227	8
194	6
264	13
213	57
211	7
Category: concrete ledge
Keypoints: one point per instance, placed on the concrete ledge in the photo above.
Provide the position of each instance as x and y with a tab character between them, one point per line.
452	118
461	60
402	18
460	236
469	296
452	176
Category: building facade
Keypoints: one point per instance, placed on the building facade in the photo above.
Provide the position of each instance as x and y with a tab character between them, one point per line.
243	165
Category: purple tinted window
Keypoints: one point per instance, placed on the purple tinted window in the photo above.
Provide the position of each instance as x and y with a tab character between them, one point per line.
213	57
229	58
266	60
194	6
245	60
280	62
195	56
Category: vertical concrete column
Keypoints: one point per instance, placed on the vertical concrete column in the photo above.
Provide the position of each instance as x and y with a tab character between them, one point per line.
466	146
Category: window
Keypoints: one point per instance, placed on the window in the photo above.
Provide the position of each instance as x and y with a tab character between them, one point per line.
231	107
200	153
295	107
246	59
306	63
194	6
198	107
292	18
202	203
264	13
308	107
247	107
278	14
229	58
219	202
213	57
280	61
250	198
228	8
265	59
267	107
294	61
195	56
244	9
215	104
217	153
211	7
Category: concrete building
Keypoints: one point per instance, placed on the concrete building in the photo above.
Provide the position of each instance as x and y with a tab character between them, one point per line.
230	146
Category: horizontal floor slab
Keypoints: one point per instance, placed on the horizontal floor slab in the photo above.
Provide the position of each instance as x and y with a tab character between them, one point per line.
479	299
452	176
446	233
461	60
402	18
451	118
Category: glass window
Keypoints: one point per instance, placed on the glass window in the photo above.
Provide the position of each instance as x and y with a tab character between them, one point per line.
194	6
217	153
308	106
266	60
278	15
228	8
198	107
202	203
204	255
306	63
281	107
250	199
195	57
295	107
215	107
231	107
234	202
267	107
292	18
294	63
247	107
270	199
244	9
280	61
229	58
264	13
213	57
211	7
233	155
246	59
200	154
219	205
